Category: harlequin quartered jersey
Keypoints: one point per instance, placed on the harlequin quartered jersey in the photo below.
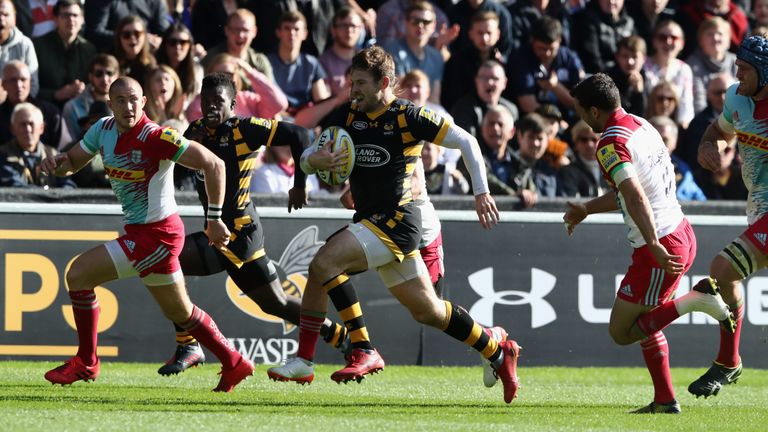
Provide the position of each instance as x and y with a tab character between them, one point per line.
749	121
630	146
139	164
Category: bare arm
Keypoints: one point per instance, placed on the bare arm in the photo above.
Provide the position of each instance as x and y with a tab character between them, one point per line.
577	212
713	143
66	164
320	91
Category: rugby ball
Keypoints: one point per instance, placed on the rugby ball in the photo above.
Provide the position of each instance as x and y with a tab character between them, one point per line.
339	139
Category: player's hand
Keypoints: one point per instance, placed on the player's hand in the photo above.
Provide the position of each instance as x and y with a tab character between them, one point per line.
297	198
670	263
326	160
574	214
486	210
347	201
709	155
528	198
218	233
49	165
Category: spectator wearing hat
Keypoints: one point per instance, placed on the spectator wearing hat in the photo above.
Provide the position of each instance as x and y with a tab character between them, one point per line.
103	70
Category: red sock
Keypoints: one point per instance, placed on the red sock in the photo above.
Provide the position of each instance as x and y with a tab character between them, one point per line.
656	355
85	307
309	331
204	329
658	318
728	355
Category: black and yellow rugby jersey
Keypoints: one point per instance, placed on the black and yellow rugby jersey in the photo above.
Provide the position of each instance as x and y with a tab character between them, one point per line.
387	149
235	142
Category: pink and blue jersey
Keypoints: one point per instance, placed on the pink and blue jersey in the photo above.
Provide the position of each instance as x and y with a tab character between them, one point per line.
749	121
139	164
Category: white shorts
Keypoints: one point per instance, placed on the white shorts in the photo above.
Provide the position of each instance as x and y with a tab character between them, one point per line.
380	257
125	269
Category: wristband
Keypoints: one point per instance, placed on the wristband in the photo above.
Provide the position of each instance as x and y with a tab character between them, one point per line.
214	212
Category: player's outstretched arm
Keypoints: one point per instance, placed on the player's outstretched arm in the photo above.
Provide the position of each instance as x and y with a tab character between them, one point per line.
713	143
298	138
578	211
68	163
197	157
639	209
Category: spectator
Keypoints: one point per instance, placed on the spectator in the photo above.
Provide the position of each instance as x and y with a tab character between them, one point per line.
209	20
533	172
102	20
665	66
646	14
716	89
318	16
469	111
20	158
266	100
726	183
546	71
461	14
15	46
498	129
92	175
526	12
165	99
462	67
597	30
686	187
240	31
441	179
275	175
16	82
663	100
298	75
346	31
558	152
710	58
177	52
390	21
414	52
759	17
691	14
582	178
132	49
629	74
64	55
102	72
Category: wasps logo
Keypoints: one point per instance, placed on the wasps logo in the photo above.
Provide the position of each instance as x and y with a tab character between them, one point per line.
292	269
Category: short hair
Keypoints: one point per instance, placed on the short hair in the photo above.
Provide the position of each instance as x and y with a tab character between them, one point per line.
502	111
419	5
578	128
243	14
104	60
661	121
412	75
125	81
343	12
218	79
291	16
16	64
714	22
376	61
633	43
26	107
482	16
65	3
490	63
532	123
597	91
547	29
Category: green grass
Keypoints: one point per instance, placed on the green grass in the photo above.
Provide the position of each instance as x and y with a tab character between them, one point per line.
132	397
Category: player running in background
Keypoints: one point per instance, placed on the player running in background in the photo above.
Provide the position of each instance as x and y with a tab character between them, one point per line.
385	232
139	158
635	162
236	141
744	120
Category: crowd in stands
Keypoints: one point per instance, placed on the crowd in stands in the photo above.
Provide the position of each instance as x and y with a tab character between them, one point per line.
501	69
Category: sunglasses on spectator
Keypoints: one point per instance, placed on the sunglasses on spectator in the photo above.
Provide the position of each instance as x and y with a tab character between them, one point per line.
98	73
179	42
420	21
127	34
663	37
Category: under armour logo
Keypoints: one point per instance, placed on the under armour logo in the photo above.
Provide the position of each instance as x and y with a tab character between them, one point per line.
761	237
542	283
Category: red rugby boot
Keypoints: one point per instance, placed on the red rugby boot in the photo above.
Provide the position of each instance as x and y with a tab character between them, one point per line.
359	364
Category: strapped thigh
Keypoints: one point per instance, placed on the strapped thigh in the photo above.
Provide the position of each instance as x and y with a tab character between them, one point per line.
742	257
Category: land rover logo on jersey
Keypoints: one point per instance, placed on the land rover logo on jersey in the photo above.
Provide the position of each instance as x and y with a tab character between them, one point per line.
292	269
370	155
360	125
136	156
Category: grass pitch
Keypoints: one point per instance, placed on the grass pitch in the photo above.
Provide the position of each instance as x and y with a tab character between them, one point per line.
132	397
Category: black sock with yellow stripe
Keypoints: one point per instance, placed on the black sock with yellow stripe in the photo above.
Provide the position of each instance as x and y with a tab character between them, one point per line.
183	337
344	298
333	333
460	325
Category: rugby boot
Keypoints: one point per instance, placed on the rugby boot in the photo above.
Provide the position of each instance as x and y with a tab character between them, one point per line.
714	379
658	408
73	370
711	303
360	362
507	372
489	375
232	377
296	369
185	357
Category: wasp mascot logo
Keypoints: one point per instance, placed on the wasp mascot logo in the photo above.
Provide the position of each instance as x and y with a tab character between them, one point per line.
292	269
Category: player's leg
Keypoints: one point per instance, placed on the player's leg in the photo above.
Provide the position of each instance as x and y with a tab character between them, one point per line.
408	281
328	273
91	269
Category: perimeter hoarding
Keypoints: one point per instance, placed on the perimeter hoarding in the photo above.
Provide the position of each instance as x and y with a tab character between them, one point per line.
552	293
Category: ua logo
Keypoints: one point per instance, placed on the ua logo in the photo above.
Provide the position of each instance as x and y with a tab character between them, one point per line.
542	283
